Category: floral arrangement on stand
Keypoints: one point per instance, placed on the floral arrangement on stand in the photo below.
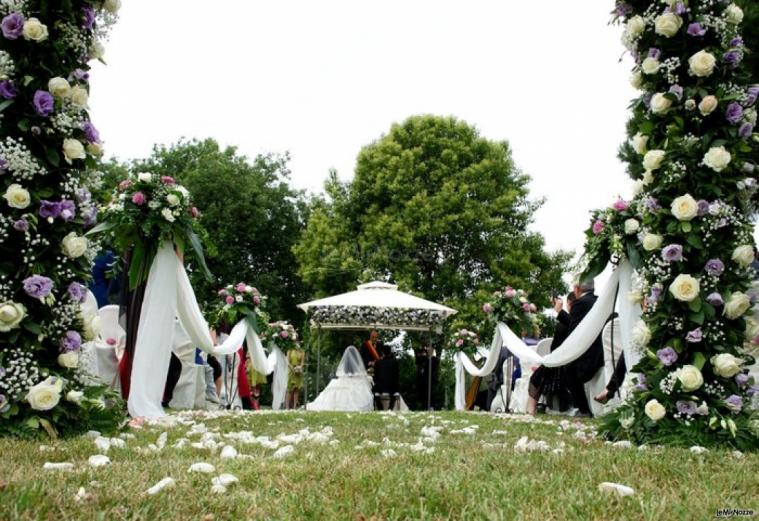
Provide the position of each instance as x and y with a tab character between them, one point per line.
282	334
465	341
145	211
238	302
48	148
692	153
368	316
512	307
613	235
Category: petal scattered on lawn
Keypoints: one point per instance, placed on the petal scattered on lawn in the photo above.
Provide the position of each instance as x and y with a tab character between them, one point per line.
163	484
103	444
58	466
98	460
82	495
624	444
218	489
228	452
620	490
203	468
224	480
283	452
696	449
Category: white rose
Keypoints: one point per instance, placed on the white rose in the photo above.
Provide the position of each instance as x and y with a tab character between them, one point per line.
702	64
726	365
641	335
172	199
44	396
708	105
654	159
652	241
668	24
744	255
734	14
636	80
660	103
717	158
238	298
17	197
635	26
737	305
690	377
35	30
73	149
182	190
655	410
145	177
59	87
752	328
112	6
74	396
648	177
95	149
80	97
684	288
91	323
11	315
650	66
70	360
168	215
631	226
637	187
684	208
74	246
97	51
640	143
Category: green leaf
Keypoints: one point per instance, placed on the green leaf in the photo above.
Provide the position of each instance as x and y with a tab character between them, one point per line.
136	267
198	249
686	226
697	318
695	241
5	104
633	255
695	305
24	125
101	228
53	157
699	360
709	311
32	327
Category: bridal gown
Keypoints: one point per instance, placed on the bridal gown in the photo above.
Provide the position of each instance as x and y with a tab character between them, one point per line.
351	390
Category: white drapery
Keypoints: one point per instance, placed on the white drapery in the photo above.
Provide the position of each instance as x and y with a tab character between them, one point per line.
168	294
573	347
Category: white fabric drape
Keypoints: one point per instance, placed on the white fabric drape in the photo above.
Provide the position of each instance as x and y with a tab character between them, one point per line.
169	295
572	348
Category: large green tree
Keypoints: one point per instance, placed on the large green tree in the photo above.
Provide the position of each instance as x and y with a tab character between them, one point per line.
436	208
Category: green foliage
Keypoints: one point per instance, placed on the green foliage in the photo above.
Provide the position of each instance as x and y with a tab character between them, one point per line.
751	36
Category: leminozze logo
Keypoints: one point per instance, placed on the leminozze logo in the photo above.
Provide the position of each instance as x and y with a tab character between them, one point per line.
734	512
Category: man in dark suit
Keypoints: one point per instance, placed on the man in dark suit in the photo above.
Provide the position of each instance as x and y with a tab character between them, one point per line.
584	368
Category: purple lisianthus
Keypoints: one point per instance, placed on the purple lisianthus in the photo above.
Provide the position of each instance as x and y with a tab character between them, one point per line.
736	42
88	17
68	210
90	216
733	58
71	342
81	75
714	267
695	336
672	253
734	113
696	29
656	291
44	104
715	299
680	8
91	134
50	209
83	196
687	408
8	89
734	403
13	26
3	165
641	385
652	205
654	53
741	379
751	96
667	356
623	9
677	90
38	286
753	390
77	292
703	207
22	225
745	130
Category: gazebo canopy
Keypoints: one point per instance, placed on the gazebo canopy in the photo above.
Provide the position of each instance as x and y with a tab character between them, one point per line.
377	305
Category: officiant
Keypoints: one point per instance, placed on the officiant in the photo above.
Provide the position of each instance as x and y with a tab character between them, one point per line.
369	350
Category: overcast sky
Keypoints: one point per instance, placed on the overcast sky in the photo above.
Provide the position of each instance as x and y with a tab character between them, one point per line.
321	79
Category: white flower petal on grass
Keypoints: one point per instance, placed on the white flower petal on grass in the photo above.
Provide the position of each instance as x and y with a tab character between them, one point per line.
126	436
203	468
82	495
164	483
46	448
624	444
92	434
697	449
103	444
737	454
58	466
620	490
118	443
218	489
228	452
161	443
224	480
283	452
98	460
388	453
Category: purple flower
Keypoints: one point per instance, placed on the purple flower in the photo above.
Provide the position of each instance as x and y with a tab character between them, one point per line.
672	253
22	225
654	53
656	291
695	336
3	165
751	95
687	408
77	292
703	207
734	113
695	29
741	379
753	390
88	17
652	205
13	26
7	89
38	286
90	216
68	210
733	58
734	403
667	356
44	103
50	209
623	9
641	385
715	299
91	134
81	75
745	130
680	8
71	342
677	90
83	196
736	42
714	267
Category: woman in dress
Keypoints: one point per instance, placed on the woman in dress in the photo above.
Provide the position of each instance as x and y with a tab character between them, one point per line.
256	380
296	359
351	390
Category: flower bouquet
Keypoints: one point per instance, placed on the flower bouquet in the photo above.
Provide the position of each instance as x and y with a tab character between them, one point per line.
282	334
511	307
145	211
465	341
240	302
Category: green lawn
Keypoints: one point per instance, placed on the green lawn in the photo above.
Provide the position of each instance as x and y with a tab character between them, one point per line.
373	466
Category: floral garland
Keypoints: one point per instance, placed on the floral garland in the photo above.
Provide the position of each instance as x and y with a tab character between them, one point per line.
47	145
465	341
691	153
238	302
512	307
613	236
145	211
281	334
368	316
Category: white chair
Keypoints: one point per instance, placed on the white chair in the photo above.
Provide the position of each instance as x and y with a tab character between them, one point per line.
100	356
189	392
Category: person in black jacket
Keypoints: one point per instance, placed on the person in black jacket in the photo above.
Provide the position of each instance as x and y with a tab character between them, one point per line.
584	368
386	376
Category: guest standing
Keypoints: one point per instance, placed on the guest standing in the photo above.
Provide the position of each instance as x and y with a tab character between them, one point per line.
369	351
386	378
296	359
426	381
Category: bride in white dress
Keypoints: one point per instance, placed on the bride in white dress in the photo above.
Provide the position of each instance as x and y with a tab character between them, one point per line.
350	391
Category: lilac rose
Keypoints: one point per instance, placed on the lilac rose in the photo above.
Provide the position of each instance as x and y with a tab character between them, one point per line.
22	225
77	292
44	104
733	58
734	113
695	336
38	286
7	89
745	130
667	356
71	342
734	403
672	253
715	299
687	408
714	267
13	26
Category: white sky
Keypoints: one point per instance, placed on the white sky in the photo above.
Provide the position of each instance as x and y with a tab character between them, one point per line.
324	78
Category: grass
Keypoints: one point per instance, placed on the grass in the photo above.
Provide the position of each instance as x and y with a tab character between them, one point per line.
458	476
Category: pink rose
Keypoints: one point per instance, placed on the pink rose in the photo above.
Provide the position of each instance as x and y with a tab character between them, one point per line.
222	292
526	307
167	180
138	198
123	185
621	205
533	308
459	343
230	300
240	288
194	212
284	334
487	308
111	341
598	227
510	292
257	300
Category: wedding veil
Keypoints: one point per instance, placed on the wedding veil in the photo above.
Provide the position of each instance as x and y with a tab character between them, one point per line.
351	364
